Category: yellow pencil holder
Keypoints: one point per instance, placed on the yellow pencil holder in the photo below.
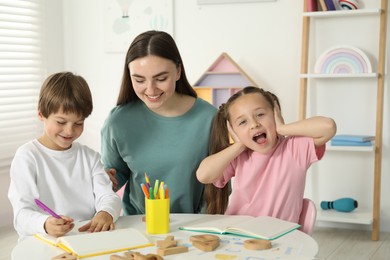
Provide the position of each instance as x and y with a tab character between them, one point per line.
157	216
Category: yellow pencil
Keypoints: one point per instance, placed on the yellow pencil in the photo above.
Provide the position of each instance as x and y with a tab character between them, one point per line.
161	191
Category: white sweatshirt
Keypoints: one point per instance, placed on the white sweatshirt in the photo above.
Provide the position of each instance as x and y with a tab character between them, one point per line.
72	183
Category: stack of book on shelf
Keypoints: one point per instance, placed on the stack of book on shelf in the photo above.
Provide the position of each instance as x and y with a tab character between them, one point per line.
322	5
352	140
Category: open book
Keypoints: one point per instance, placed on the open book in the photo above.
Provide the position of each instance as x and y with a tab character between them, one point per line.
262	227
99	243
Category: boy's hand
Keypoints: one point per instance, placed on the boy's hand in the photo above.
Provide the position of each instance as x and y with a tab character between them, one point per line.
111	173
101	222
58	226
279	120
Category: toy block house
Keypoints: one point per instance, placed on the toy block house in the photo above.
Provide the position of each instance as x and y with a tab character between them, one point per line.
221	80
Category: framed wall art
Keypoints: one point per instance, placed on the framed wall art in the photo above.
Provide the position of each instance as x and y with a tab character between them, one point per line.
125	19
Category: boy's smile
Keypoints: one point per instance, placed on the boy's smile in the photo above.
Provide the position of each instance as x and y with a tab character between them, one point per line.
61	130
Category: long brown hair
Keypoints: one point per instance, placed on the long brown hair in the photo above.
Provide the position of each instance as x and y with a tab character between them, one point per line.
157	43
217	198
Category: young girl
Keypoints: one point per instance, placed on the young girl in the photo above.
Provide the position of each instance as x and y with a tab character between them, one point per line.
268	158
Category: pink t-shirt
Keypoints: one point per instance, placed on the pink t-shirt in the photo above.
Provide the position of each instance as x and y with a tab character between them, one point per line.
271	184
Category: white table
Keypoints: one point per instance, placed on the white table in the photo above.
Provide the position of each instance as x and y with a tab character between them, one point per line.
294	245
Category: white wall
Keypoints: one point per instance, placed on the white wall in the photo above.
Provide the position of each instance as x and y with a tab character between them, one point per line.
263	38
202	34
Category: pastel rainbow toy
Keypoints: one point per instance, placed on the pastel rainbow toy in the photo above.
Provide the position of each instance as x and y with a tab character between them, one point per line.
343	60
349	4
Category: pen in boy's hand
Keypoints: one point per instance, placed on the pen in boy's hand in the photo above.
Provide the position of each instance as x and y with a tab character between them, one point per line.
46	208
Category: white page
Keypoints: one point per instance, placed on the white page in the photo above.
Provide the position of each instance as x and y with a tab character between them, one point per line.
265	226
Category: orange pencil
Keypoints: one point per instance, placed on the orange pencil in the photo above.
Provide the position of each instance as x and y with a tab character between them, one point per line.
145	190
166	193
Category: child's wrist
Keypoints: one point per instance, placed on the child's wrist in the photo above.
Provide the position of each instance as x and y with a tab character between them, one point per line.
239	147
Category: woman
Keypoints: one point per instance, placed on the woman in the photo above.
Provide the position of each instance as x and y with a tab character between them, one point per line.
158	127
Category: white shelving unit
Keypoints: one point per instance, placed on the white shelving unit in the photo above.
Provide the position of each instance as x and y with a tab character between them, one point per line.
334	76
342	13
351	148
360	215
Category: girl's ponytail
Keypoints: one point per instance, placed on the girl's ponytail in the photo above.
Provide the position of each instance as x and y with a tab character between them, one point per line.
217	198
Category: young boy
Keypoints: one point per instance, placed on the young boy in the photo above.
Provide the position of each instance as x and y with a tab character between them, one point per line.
66	176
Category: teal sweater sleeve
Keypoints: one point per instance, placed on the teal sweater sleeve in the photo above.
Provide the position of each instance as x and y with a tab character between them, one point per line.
135	140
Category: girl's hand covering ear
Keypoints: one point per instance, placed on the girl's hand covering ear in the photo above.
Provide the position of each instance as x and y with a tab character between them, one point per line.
279	120
232	133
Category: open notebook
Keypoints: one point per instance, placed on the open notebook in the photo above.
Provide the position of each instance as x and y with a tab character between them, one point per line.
262	227
92	244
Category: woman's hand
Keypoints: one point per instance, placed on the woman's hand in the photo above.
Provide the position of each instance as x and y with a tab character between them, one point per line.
112	173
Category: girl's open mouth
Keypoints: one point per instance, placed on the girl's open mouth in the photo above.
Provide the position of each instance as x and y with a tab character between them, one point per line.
260	138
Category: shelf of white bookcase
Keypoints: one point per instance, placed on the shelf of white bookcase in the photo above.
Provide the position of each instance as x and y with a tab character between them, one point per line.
221	73
359	12
350	148
336	76
358	216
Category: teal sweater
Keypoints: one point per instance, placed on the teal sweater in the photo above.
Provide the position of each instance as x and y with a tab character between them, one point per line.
135	140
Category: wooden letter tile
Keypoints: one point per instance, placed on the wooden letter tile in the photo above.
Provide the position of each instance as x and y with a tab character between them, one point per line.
172	250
